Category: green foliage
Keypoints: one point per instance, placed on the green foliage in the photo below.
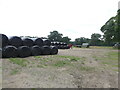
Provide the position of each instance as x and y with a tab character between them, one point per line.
79	41
111	29
96	36
66	40
55	36
95	39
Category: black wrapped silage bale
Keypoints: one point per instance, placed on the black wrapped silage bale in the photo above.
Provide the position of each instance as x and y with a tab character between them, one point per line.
55	43
67	47
58	46
61	46
58	43
37	41
27	42
15	41
64	47
9	51
54	50
65	44
3	40
46	50
36	50
52	43
46	42
61	43
0	52
0	41
24	51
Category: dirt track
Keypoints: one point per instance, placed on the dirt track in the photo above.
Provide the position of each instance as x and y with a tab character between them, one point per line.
96	75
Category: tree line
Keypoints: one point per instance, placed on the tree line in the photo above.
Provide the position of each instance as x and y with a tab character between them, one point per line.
56	36
110	30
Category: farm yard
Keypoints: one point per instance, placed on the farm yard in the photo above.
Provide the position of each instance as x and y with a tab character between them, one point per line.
94	67
59	44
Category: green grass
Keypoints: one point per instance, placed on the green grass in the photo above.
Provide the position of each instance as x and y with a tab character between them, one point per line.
109	56
19	61
71	58
14	71
86	68
33	89
54	60
96	58
61	63
37	57
110	59
113	55
41	66
67	60
115	70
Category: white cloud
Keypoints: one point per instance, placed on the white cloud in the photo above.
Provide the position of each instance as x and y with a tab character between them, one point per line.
73	18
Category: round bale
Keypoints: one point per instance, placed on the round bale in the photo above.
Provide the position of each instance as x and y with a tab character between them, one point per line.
54	50
46	50
37	41
15	41
52	43
46	42
27	42
0	52
36	50
3	40
9	51
24	51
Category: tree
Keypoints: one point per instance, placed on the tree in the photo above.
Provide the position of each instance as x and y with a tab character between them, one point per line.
79	41
66	39
96	36
55	36
95	39
117	28
111	29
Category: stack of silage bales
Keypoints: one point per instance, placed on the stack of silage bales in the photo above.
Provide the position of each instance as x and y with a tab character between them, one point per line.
60	45
23	47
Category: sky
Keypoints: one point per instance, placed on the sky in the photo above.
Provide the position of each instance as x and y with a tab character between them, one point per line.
72	18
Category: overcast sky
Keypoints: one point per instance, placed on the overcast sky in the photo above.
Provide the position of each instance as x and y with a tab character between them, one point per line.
72	18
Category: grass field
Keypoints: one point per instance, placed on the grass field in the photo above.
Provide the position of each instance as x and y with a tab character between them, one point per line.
94	67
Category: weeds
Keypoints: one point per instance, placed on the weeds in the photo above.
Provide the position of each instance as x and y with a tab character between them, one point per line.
61	63
15	71
86	68
37	57
71	58
18	61
40	66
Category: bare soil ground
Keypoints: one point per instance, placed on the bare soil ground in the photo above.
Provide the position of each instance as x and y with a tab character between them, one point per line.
72	68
